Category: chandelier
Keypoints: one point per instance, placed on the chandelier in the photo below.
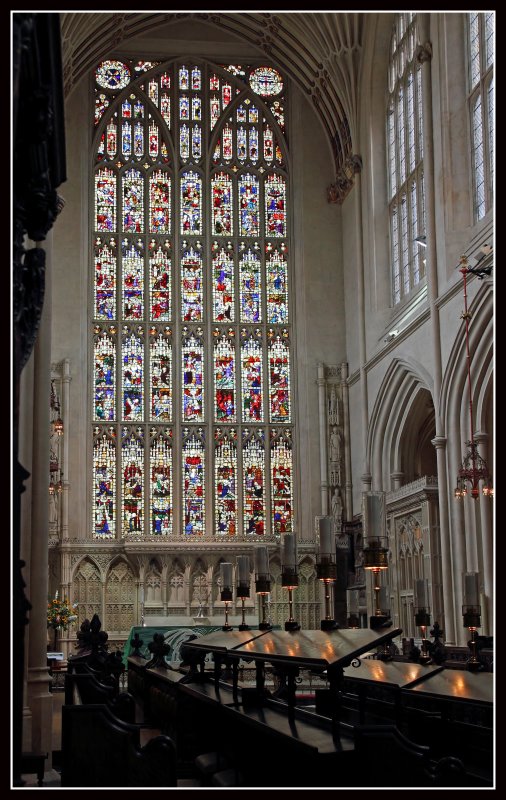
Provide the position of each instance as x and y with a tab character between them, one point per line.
473	468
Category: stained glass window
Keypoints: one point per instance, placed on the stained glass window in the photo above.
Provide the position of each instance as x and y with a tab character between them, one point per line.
275	206
104	483
248	206
250	277
277	287
222	220
191	204
160	469
480	35
191	266
225	482
133	201
132	377
193	483
223	285
132	469
160	280
159	203
133	279
104	376
254	482
105	279
404	136
105	200
252	379
160	353
282	484
191	286
224	377
192	355
279	378
266	81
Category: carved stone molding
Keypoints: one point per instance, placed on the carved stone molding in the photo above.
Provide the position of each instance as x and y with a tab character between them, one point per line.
345	179
424	53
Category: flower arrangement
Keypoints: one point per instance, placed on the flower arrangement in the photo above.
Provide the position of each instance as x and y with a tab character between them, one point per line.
60	613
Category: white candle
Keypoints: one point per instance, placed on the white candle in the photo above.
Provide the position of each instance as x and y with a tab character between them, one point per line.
288	557
471	588
326	543
352	601
243	569
226	575
383	599
374	515
262	561
422	593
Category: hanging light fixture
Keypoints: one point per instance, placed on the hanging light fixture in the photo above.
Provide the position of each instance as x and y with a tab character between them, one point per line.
473	468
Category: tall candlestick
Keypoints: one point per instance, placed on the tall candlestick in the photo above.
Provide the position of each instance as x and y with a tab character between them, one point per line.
243	574
226	574
288	556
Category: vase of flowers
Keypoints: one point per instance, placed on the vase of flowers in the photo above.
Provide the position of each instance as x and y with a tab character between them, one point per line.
60	615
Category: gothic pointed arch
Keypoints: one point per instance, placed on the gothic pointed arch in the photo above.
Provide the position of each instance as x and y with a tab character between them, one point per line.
406	386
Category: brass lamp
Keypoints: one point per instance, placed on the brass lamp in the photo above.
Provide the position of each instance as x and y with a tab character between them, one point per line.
422	616
375	550
243	587
226	590
326	568
262	584
471	612
289	576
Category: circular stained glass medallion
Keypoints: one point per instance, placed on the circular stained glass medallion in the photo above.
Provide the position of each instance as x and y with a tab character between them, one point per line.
112	75
266	81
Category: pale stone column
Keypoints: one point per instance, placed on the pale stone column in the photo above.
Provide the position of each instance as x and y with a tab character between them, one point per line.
64	507
322	414
424	57
396	478
447	623
487	545
348	486
39	698
357	190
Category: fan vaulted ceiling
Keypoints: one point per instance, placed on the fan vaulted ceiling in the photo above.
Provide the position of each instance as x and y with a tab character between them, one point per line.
320	51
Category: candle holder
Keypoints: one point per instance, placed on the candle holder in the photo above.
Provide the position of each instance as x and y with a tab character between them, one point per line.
471	613
289	576
422	617
243	587
326	569
422	621
226	591
242	593
263	588
290	581
262	585
375	561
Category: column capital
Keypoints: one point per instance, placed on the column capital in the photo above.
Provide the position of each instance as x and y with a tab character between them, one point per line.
439	442
481	437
